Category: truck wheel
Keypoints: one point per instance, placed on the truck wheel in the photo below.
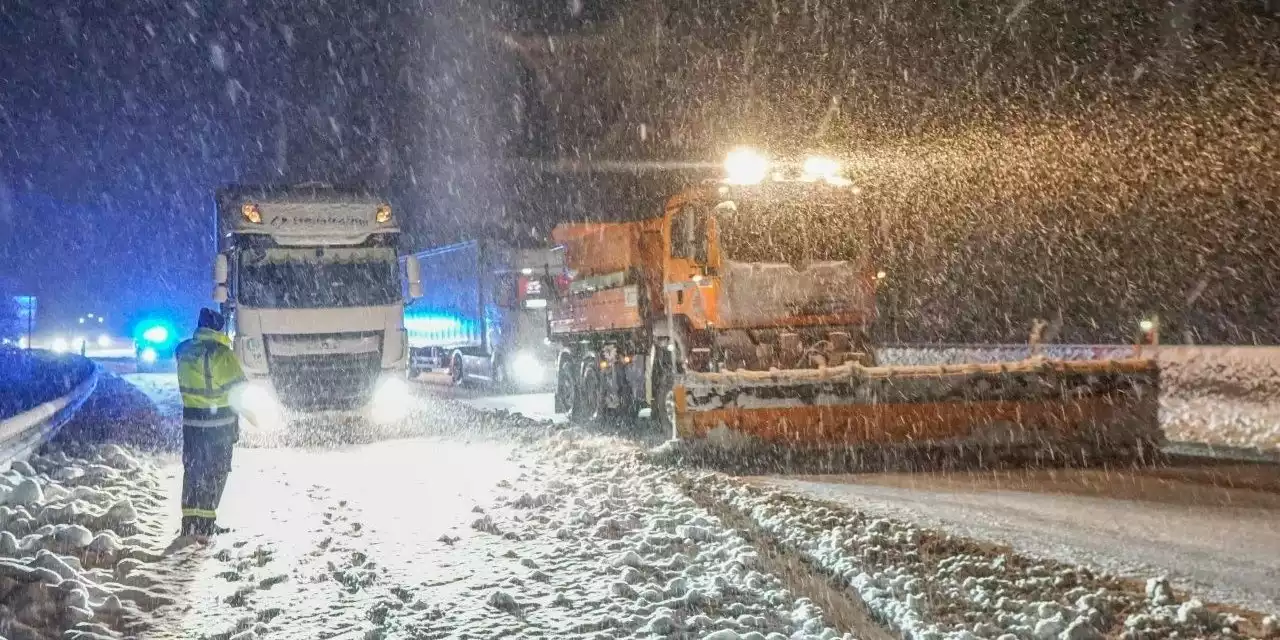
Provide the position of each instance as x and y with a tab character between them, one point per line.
588	397
566	387
455	370
499	375
625	414
663	410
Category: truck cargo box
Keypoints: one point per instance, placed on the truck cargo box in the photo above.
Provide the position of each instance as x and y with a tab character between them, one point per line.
596	249
450	312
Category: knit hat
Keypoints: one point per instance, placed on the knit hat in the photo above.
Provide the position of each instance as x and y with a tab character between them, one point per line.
210	319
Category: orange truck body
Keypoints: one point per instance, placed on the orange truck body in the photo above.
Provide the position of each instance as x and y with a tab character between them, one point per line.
778	354
636	252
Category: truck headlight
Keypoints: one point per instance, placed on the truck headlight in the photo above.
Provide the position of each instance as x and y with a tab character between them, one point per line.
526	369
390	400
149	355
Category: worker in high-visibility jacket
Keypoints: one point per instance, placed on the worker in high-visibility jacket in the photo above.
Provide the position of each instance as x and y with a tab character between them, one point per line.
208	371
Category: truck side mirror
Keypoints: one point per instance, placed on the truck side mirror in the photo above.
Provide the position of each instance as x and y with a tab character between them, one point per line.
220	293
220	269
413	271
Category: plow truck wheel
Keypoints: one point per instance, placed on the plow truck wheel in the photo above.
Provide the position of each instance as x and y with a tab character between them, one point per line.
587	397
663	411
566	386
624	414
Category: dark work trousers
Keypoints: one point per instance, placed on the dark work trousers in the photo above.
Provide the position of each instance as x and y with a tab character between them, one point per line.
206	461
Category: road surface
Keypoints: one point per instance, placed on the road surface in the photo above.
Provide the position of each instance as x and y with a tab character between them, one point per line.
1214	529
450	525
460	522
539	405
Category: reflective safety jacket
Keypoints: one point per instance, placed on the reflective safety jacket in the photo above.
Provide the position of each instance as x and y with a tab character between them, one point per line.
207	370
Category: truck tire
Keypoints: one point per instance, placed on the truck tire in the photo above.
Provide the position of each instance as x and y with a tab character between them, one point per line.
455	370
566	384
663	410
587	397
498	374
624	415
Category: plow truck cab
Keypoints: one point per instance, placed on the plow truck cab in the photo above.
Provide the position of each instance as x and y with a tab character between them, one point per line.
309	282
740	316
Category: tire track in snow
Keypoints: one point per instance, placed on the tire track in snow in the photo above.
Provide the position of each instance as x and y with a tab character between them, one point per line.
842	607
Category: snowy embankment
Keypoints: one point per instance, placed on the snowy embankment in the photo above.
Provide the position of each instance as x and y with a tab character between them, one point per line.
1222	396
73	528
39	392
29	378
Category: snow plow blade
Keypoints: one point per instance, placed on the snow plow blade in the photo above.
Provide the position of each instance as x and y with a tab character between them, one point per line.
1039	412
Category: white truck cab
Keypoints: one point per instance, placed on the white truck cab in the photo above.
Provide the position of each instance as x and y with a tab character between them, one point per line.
308	278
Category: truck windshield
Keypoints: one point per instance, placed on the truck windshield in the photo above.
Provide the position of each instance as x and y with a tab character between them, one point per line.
788	232
310	278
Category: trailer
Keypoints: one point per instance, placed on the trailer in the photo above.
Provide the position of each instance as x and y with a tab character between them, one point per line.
483	314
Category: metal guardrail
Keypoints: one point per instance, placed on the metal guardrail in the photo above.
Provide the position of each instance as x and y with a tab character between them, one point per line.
23	433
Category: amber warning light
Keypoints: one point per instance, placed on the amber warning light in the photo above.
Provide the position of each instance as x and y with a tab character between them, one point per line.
251	212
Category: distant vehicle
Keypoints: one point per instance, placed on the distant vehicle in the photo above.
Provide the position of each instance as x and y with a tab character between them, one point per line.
483	314
154	345
307	278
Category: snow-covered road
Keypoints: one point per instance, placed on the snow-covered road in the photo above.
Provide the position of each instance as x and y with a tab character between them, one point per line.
461	536
1219	540
465	522
538	405
1213	529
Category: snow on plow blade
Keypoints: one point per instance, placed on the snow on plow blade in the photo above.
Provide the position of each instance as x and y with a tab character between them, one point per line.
1035	410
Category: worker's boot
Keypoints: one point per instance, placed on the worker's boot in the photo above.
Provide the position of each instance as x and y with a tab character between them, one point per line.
192	526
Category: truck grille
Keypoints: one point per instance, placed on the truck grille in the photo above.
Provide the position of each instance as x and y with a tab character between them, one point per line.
325	382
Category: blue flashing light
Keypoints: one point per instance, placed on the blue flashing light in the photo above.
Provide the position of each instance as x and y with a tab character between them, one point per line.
149	355
157	334
155	331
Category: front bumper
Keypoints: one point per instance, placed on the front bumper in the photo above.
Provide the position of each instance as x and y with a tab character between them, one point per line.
388	399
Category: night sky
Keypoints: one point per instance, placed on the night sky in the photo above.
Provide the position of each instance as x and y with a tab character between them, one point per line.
1091	162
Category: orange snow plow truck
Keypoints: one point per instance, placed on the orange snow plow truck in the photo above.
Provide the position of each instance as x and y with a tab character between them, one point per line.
741	315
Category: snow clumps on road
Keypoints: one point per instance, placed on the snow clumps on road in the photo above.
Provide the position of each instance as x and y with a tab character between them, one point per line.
611	547
70	539
927	585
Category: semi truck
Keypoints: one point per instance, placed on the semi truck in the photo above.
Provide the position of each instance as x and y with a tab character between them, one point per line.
483	314
307	279
741	313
